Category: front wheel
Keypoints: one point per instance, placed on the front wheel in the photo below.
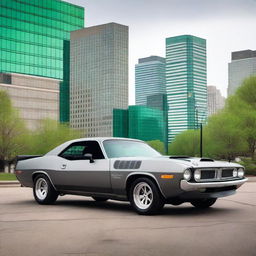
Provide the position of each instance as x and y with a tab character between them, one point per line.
203	203
44	192
145	197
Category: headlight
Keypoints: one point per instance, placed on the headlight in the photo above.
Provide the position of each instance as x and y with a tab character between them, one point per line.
197	175
235	173
187	175
240	173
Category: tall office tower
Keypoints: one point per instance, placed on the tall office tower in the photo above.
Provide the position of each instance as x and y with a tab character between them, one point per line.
242	66
215	100
34	41
185	83
149	78
99	77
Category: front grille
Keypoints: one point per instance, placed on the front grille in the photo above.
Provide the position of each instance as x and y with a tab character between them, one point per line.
227	173
206	175
214	174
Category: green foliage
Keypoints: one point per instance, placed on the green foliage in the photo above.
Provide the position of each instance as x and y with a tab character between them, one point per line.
247	91
157	145
186	143
224	137
49	135
249	164
12	130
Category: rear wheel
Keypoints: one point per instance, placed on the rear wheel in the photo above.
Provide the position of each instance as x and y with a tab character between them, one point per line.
145	197
44	192
99	199
203	203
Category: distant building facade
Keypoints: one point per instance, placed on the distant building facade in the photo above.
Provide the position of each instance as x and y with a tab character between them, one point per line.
35	97
35	41
99	77
242	66
185	83
139	122
149	78
215	100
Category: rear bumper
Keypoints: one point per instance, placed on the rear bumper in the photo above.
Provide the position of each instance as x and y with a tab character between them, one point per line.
189	186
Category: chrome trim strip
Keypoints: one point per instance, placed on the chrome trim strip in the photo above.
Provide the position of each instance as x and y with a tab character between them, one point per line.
188	186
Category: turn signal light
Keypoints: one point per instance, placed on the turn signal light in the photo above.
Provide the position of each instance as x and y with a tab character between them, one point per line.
167	176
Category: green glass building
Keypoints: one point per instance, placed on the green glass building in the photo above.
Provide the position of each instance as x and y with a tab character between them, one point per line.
139	122
185	83
34	40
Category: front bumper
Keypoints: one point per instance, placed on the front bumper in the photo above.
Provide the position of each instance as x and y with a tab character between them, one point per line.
189	186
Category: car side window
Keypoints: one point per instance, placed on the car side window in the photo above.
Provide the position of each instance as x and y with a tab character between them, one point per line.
77	150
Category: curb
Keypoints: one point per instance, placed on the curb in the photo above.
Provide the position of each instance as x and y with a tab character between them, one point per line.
251	179
9	183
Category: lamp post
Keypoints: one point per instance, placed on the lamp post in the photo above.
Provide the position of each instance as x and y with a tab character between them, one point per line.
201	130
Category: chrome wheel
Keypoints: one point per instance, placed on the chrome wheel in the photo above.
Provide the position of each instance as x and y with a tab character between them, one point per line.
41	188
142	195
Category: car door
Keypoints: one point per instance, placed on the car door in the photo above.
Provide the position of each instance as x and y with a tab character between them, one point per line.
79	174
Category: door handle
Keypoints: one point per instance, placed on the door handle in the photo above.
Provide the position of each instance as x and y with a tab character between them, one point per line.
63	166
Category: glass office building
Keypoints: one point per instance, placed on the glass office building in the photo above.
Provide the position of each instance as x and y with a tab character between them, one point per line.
149	78
98	77
242	66
185	83
139	122
34	37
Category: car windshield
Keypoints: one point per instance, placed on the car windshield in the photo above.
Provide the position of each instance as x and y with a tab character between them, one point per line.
127	148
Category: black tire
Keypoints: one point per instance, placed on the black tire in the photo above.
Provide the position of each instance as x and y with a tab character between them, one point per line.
44	192
99	199
152	202
203	203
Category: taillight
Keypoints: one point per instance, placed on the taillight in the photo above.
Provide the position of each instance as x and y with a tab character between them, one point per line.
18	172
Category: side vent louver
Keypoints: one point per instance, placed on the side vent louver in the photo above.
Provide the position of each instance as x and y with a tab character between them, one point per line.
127	164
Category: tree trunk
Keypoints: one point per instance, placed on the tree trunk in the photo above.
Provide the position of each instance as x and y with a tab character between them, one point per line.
2	164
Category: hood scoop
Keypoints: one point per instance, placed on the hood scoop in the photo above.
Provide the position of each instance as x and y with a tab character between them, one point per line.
205	159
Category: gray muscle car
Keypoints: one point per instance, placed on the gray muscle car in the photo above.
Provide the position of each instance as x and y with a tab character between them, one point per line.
127	169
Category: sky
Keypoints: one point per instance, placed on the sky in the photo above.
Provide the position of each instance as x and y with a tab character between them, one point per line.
227	25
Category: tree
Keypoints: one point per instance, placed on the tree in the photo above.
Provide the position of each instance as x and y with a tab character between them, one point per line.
12	131
157	145
186	143
224	137
244	103
49	135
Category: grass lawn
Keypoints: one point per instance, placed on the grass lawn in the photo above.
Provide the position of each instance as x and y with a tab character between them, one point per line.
7	176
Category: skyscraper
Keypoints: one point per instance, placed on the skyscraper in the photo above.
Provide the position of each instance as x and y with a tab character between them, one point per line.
215	100
185	83
149	78
34	41
242	65
99	77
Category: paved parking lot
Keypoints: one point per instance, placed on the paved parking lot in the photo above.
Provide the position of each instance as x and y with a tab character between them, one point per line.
80	226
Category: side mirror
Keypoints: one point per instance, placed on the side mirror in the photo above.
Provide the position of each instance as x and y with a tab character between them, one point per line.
89	157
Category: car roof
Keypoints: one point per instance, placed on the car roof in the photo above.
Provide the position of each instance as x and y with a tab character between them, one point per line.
61	147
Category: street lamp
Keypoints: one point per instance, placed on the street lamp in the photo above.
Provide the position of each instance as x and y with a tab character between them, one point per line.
201	128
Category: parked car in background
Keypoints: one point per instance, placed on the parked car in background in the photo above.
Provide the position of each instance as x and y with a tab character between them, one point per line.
127	169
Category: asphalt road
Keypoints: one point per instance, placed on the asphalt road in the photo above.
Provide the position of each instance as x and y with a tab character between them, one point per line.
80	226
